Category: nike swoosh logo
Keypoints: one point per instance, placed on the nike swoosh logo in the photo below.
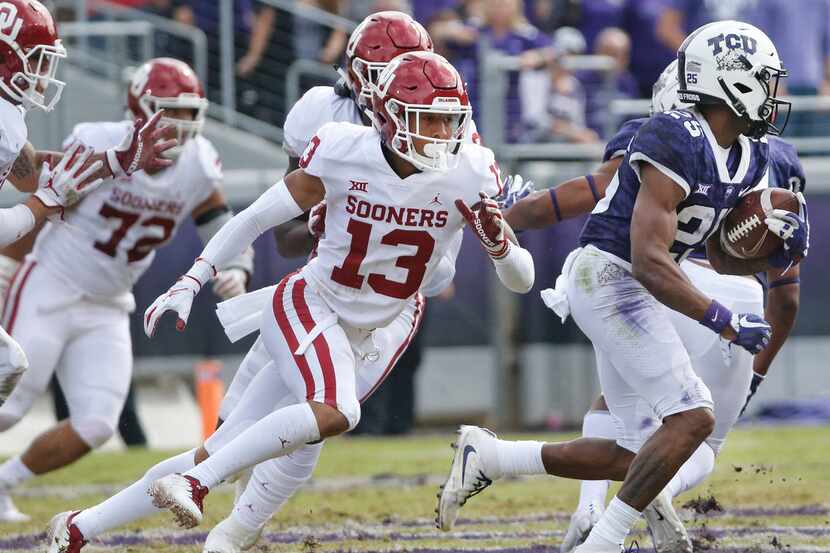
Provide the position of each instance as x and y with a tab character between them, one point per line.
715	317
659	515
467	450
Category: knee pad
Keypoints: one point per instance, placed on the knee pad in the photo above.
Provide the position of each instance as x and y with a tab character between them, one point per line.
94	431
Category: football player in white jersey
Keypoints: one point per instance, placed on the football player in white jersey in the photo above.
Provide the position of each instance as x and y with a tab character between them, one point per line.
732	379
77	282
388	225
31	50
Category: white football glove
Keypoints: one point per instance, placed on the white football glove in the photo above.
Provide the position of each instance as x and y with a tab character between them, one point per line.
13	364
179	298
64	185
317	220
230	283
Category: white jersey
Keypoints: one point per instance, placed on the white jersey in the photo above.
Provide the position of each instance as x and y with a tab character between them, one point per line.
13	135
321	105
384	235
109	238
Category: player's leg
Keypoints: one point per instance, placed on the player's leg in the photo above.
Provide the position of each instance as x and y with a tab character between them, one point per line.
315	358
133	502
256	358
43	336
635	330
276	480
597	423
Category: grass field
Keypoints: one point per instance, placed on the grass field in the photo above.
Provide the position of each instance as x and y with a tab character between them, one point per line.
772	486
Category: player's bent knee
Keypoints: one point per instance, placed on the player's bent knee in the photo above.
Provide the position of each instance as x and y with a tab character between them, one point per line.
94	431
701	422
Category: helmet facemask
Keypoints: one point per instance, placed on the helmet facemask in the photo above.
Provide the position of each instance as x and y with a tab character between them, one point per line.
439	154
40	66
185	129
367	74
762	122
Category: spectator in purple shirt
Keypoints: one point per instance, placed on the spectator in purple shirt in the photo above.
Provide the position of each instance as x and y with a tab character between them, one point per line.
681	17
649	55
602	88
505	29
802	37
596	15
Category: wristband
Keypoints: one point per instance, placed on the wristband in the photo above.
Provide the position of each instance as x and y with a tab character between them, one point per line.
783	282
555	205
717	317
593	186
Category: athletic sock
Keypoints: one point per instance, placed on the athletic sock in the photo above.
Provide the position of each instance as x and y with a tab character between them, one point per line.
614	525
596	424
13	473
273	483
520	457
132	502
693	471
275	435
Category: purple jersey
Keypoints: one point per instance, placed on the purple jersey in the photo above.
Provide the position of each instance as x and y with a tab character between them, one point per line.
681	145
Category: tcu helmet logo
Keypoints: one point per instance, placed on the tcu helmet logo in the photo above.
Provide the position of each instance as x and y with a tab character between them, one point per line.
10	24
732	41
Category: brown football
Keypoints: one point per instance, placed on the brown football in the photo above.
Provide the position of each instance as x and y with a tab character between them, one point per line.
744	234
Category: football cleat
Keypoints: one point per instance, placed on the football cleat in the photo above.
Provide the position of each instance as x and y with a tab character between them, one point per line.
470	473
230	536
182	495
9	512
63	536
667	531
582	521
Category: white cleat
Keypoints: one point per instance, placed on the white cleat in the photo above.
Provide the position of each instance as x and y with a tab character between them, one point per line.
9	512
582	521
469	475
229	536
62	536
182	495
667	531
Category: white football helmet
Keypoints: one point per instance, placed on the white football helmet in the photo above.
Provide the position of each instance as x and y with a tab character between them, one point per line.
664	91
733	63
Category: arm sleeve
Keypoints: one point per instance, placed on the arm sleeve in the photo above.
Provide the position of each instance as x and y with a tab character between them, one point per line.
274	207
15	222
668	144
516	270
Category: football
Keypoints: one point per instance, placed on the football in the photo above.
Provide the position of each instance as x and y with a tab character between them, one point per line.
744	234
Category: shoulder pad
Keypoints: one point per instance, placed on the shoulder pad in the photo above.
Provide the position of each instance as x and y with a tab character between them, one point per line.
312	111
13	132
484	172
208	158
100	135
618	143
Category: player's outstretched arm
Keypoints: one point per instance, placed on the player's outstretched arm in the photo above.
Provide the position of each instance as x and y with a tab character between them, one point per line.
570	199
291	196
653	228
514	264
210	216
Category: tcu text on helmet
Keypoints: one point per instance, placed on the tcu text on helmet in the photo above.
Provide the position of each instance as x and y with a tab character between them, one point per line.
732	41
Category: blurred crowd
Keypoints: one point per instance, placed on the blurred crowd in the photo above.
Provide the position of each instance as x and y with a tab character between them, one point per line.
550	97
